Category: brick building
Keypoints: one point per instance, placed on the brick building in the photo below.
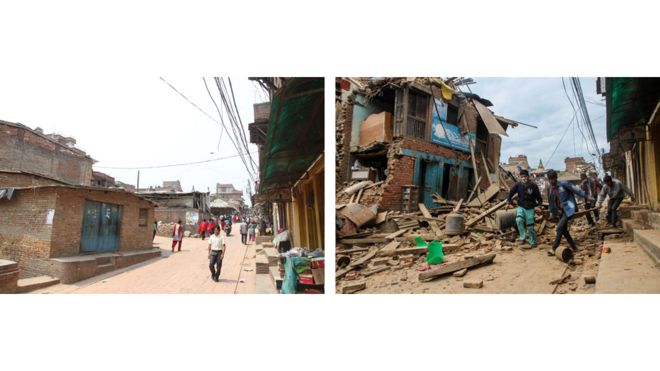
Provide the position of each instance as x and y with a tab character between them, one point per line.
419	136
520	160
227	192
103	180
51	155
190	207
73	232
577	165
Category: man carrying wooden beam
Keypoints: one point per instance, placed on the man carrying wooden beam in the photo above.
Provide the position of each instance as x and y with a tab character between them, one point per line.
529	197
562	203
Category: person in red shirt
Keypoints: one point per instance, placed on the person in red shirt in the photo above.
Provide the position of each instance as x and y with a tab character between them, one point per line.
209	227
177	235
201	230
222	224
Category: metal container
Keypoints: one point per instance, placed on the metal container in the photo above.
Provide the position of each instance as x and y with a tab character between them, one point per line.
455	224
505	219
564	253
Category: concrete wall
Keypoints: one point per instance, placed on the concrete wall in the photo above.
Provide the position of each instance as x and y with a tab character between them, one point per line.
25	150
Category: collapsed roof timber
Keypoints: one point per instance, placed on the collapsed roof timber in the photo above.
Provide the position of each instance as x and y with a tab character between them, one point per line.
418	137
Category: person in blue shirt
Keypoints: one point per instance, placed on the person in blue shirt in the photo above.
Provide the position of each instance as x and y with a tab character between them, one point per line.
562	204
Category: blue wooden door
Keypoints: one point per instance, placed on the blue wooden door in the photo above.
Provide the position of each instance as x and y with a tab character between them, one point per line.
100	227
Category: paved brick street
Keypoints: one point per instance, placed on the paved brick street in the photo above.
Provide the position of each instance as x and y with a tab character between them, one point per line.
180	272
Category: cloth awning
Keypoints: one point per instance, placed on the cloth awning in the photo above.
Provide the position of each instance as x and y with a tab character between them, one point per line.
295	132
630	102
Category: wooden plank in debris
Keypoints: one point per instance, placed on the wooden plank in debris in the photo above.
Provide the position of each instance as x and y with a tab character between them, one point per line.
474	189
352	287
541	227
485	196
410	250
359	196
358	214
374	185
457	266
458	206
436	228
352	251
391	246
488	212
381	217
358	263
356	187
483	159
357	241
489	119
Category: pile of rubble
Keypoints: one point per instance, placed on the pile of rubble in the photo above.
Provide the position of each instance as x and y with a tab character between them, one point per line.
472	234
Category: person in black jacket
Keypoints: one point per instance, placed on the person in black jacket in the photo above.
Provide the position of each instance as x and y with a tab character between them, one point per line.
529	197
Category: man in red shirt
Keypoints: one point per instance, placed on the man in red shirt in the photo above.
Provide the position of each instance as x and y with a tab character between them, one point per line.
201	230
210	226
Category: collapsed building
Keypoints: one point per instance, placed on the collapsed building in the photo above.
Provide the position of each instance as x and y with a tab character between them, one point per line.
384	244
416	138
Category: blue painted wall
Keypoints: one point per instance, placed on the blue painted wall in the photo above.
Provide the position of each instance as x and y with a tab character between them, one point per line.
359	114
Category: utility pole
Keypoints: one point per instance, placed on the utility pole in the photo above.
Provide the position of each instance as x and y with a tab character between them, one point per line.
138	181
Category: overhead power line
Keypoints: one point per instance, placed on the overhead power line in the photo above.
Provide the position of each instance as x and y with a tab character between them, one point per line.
189	101
163	166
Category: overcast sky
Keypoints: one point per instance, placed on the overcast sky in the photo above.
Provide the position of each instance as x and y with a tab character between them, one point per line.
130	121
542	102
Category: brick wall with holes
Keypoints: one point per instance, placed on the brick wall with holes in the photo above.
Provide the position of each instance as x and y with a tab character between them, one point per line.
25	150
26	238
401	169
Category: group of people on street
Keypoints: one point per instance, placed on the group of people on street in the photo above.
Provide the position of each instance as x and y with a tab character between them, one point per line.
248	231
562	204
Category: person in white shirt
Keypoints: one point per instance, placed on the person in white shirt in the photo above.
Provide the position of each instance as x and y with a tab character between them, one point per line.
216	253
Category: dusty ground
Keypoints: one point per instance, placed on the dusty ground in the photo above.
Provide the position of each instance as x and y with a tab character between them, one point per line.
180	272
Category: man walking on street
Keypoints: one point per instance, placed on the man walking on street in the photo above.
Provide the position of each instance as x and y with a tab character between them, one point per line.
616	191
585	186
177	235
244	230
216	253
562	203
529	197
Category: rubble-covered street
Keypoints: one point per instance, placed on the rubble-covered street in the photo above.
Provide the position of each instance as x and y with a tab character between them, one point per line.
422	210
